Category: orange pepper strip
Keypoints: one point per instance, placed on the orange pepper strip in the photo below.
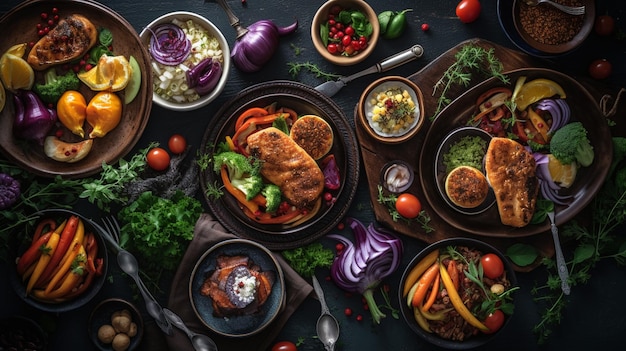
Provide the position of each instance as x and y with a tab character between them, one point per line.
251	112
267	218
43	261
238	194
422	285
293	115
454	274
433	294
67	264
46	222
32	254
65	239
260	200
230	143
72	279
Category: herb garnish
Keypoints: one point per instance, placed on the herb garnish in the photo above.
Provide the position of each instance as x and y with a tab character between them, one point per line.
296	67
304	260
470	58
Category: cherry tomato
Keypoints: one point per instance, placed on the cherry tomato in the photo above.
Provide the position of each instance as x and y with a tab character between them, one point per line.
332	48
425	27
604	25
284	346
468	10
158	159
492	265
600	69
177	144
408	205
494	321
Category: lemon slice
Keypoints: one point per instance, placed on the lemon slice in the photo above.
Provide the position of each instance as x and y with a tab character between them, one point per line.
562	174
15	72
111	73
18	50
536	90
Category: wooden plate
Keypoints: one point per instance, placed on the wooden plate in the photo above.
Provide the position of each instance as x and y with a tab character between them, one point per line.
587	183
304	100
22	21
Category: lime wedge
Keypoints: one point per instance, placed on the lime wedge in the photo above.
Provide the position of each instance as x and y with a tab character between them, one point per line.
131	90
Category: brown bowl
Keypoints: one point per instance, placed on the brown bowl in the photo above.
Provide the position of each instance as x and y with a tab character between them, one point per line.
551	22
320	19
118	142
367	102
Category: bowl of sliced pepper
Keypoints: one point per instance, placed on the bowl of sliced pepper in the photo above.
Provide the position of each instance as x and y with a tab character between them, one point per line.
345	32
61	262
457	293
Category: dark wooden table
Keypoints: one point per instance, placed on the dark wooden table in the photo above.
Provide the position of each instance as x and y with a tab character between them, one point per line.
595	315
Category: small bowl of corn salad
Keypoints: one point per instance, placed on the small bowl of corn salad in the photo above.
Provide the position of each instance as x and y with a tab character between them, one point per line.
190	60
391	109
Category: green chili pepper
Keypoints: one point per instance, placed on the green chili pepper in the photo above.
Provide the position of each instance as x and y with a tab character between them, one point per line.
383	20
396	25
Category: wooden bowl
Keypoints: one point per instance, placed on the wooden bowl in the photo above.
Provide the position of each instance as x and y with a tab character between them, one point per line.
553	21
118	142
320	19
365	105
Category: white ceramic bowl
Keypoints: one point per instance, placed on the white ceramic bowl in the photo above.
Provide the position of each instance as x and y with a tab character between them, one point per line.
204	100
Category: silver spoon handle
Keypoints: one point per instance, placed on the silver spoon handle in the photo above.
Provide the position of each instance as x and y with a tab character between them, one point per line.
320	294
389	63
561	266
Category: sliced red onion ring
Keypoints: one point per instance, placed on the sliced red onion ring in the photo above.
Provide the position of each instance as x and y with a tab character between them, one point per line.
169	44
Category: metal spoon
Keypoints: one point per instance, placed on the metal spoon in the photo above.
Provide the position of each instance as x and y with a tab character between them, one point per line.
327	326
200	342
561	266
128	264
331	88
572	10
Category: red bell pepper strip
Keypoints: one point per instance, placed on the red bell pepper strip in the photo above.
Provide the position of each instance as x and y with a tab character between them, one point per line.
67	235
32	254
251	112
48	223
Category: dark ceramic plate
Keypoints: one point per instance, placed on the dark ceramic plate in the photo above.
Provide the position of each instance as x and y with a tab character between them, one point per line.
20	287
245	325
304	100
588	181
15	331
117	143
101	315
440	173
407	313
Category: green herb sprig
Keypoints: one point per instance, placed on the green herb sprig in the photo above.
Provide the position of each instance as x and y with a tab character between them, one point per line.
296	67
304	260
468	60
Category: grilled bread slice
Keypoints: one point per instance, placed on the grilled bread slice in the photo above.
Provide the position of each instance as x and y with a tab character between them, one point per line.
287	165
72	37
511	173
313	134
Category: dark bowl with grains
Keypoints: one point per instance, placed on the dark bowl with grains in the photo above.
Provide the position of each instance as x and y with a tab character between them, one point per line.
550	30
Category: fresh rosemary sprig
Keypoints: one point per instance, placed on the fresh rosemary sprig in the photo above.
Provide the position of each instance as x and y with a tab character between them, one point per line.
469	59
296	67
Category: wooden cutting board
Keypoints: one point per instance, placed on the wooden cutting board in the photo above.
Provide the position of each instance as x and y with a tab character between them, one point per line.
376	154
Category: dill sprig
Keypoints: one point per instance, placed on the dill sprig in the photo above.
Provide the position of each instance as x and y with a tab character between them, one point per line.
469	59
296	67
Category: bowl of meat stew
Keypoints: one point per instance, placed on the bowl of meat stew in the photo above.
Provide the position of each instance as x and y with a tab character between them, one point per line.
443	307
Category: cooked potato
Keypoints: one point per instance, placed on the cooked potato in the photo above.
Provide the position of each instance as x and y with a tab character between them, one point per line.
106	333
121	342
132	331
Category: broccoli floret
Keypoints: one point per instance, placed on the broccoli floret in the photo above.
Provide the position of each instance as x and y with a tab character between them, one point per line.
570	143
273	197
237	164
250	185
55	85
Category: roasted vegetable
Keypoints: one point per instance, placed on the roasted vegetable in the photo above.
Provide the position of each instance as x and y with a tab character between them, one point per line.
104	113
33	120
570	143
72	111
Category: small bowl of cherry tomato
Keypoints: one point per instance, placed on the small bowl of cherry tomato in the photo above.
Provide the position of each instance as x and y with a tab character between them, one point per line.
345	32
458	293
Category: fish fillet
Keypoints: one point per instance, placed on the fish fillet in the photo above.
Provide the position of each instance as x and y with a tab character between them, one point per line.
511	173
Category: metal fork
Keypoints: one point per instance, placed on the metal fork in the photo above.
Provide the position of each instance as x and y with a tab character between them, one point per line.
128	263
572	10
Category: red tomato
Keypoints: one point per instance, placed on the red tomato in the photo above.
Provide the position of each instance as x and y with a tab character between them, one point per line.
600	69
604	25
177	144
468	10
408	205
494	321
492	265
158	159
284	346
